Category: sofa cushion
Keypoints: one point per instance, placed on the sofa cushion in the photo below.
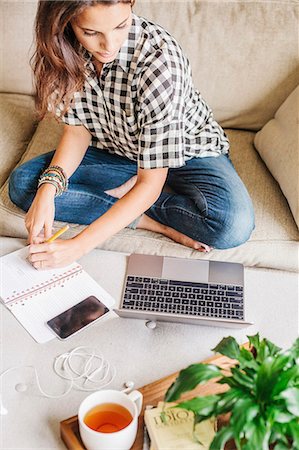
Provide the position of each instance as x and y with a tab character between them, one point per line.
16	45
17	127
236	67
272	244
244	54
278	145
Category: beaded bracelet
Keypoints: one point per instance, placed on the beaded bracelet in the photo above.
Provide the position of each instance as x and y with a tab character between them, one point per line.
60	172
56	176
58	190
54	181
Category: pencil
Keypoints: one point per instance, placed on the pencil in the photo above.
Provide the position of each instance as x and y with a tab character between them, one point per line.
57	234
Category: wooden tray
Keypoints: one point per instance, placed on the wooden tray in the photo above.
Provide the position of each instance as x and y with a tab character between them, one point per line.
152	394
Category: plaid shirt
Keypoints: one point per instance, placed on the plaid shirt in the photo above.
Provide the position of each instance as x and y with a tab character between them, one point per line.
144	106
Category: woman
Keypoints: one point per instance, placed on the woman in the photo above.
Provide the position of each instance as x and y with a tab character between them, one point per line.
133	122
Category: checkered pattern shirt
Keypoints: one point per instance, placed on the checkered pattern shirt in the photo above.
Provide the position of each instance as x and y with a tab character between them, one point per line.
143	106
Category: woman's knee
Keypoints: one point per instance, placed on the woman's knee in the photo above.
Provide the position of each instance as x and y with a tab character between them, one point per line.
23	180
234	227
19	187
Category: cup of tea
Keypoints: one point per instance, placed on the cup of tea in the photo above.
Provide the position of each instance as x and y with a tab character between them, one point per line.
109	419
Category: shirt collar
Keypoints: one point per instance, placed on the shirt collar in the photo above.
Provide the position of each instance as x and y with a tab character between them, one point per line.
127	50
125	53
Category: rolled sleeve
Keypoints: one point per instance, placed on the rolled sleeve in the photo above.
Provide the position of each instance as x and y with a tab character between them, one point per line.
70	117
161	128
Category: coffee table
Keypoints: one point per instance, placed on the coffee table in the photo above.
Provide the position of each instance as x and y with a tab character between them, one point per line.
140	354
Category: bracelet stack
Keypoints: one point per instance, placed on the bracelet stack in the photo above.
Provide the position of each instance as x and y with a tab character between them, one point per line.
56	176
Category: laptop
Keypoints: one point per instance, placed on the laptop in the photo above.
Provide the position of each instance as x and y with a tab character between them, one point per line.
160	288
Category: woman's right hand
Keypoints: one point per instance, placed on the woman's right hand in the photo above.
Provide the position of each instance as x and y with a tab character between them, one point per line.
40	216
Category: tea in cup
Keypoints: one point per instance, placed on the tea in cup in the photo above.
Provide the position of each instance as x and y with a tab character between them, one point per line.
109	419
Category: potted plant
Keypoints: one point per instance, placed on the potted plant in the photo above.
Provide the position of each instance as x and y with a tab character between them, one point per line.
262	399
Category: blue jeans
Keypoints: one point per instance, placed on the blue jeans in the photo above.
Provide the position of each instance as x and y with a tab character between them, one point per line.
209	202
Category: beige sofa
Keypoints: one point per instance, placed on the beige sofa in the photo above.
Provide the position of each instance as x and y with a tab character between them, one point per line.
244	57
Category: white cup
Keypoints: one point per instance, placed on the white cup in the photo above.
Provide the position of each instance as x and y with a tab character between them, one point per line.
119	440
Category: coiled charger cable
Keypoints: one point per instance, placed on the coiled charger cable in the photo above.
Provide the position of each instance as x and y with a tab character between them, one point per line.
91	372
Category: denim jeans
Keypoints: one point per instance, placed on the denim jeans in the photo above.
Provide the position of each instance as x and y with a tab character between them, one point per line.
209	202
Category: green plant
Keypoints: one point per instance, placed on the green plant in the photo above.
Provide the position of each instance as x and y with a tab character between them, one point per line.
263	395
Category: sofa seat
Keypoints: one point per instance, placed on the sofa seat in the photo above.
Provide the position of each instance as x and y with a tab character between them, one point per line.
273	243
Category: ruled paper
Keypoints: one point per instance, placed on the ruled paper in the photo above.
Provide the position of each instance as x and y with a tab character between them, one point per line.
34	296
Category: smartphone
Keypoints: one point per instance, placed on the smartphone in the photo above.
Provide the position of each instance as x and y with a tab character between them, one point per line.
77	317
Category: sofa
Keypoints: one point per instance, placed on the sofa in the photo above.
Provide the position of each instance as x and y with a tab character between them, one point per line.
244	58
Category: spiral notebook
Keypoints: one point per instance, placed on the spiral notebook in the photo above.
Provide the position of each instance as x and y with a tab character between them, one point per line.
34	296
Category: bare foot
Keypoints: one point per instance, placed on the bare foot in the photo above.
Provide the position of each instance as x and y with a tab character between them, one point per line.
147	223
120	191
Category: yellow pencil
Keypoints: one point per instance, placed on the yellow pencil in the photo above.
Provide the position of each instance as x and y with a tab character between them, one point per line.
58	233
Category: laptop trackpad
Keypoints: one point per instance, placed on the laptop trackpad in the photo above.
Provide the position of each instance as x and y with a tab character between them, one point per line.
185	269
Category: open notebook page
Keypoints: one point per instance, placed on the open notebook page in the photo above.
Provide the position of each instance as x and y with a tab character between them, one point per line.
20	278
35	307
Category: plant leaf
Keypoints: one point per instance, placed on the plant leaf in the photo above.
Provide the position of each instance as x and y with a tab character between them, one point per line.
286	378
282	362
232	383
251	372
265	349
189	378
247	446
291	397
247	359
294	350
228	347
281	446
243	379
255	341
266	380
279	431
275	413
293	428
273	349
244	411
201	406
227	400
221	438
257	434
246	354
278	435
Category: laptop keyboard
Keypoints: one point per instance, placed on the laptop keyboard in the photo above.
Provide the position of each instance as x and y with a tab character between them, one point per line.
184	297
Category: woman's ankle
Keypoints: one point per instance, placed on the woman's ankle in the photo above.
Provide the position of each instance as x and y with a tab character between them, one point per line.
147	223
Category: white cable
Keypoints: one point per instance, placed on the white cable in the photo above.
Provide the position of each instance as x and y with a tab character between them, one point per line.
105	372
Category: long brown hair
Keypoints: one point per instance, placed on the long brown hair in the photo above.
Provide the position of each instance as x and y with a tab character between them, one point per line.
58	61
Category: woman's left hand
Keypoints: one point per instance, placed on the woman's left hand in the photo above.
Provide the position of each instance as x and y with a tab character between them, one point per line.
60	253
